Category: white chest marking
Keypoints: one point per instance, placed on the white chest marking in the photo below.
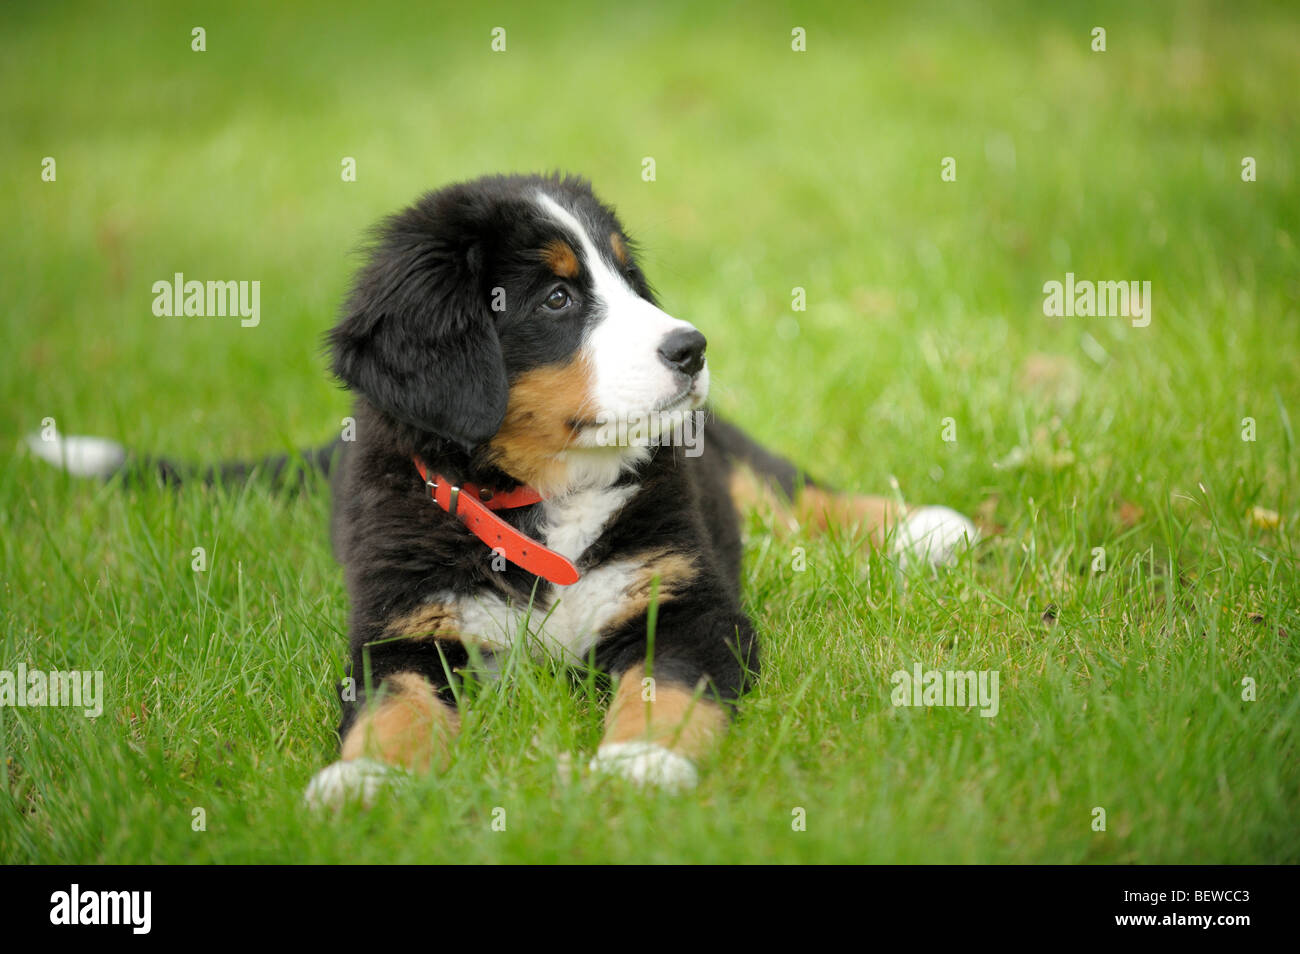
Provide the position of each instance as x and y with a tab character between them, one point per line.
572	523
566	626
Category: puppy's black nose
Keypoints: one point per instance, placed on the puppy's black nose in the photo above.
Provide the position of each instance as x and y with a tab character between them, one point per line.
683	350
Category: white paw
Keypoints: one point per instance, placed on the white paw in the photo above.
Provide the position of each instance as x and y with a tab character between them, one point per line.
934	536
645	763
352	781
79	456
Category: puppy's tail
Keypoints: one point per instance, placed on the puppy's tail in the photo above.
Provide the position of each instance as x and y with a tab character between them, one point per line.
103	459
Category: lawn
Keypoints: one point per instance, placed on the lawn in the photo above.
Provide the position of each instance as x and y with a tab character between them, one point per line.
1136	587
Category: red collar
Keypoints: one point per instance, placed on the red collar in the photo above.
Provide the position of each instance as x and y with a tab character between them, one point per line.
474	506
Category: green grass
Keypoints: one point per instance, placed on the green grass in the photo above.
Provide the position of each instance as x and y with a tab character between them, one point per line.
774	170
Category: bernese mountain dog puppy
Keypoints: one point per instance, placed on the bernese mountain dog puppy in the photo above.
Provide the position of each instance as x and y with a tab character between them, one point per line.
523	469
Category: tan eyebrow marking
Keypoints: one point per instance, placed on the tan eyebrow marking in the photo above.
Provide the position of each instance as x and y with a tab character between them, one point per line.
620	249
561	258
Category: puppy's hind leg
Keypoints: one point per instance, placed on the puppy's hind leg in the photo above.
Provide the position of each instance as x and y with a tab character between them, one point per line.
763	481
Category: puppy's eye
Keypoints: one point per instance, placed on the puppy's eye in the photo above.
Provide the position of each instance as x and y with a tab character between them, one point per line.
558	299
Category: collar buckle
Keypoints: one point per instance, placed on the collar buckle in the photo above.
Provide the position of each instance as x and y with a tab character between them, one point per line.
477	515
453	494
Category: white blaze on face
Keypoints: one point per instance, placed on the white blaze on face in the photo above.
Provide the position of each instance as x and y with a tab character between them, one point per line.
631	379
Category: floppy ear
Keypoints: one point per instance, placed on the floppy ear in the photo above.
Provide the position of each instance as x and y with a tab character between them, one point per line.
419	342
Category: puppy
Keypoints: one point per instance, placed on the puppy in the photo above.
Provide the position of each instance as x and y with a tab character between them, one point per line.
527	466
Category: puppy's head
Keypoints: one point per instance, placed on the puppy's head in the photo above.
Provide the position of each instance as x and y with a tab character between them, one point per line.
509	315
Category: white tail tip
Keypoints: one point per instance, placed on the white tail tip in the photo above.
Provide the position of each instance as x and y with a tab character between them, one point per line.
79	456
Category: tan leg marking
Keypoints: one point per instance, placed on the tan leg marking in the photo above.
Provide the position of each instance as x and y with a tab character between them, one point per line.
814	510
408	725
673	570
677	719
427	621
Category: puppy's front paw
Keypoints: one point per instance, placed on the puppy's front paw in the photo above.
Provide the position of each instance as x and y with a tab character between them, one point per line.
934	536
357	780
645	763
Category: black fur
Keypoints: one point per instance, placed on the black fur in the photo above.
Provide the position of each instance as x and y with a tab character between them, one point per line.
431	364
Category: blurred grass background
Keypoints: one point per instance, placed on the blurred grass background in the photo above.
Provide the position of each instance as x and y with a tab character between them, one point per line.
775	169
